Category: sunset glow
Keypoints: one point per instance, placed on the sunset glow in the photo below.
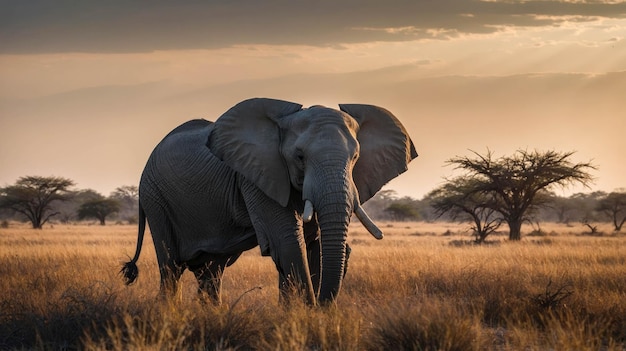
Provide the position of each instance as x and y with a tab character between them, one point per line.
87	97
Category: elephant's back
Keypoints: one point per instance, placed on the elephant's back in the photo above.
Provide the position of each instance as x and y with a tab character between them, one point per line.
182	163
190	126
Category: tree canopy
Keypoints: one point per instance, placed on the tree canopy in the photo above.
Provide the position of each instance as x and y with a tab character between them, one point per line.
99	208
402	211
32	197
512	185
614	207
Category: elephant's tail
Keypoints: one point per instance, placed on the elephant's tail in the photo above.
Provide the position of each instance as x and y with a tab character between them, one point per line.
129	270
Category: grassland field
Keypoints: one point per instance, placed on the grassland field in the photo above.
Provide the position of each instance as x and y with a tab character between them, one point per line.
423	287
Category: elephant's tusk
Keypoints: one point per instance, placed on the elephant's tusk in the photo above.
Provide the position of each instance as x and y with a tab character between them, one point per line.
307	215
368	223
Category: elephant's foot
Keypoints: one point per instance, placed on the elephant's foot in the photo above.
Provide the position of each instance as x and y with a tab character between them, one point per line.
169	288
210	292
210	282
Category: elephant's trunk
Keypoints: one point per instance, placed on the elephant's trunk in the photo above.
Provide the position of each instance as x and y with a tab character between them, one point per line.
365	219
332	200
333	220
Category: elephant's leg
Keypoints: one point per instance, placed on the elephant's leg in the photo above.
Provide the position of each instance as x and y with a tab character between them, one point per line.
289	255
210	281
315	264
288	250
170	271
312	239
281	228
209	277
166	252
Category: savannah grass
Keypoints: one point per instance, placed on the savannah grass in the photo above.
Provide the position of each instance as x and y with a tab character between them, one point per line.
424	287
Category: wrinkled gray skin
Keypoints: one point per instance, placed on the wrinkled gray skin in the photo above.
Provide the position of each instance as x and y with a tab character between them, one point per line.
210	191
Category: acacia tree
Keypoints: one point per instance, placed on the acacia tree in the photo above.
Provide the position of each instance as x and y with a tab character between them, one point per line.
513	182
457	198
32	196
127	194
614	206
128	197
564	208
99	208
402	210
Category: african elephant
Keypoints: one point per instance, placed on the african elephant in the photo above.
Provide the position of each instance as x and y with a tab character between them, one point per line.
269	173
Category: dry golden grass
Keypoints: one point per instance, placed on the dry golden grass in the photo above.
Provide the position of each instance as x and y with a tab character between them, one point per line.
421	288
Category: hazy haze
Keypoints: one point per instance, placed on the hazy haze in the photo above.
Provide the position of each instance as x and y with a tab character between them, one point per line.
88	88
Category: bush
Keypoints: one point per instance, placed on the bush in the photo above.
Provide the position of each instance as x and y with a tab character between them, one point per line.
430	326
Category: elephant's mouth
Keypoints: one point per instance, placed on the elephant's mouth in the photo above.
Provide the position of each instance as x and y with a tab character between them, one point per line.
298	182
360	213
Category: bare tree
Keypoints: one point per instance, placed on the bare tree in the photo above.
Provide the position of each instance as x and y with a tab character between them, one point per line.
126	193
513	182
128	197
564	208
614	206
32	197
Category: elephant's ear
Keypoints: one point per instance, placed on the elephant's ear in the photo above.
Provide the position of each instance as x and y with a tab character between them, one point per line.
247	139
386	148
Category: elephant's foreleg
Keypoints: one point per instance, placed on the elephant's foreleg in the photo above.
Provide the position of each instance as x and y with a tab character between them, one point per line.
282	228
312	239
293	270
315	264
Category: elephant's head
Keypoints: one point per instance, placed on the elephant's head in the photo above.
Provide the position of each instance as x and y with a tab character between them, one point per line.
331	160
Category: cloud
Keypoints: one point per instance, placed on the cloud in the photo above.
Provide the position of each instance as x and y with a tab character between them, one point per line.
39	26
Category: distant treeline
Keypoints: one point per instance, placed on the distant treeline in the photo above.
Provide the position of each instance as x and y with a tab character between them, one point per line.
579	208
121	206
42	200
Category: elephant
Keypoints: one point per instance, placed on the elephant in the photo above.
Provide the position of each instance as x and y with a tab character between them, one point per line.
272	174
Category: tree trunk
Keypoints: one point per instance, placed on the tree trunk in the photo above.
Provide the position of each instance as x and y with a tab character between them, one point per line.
36	222
515	229
618	224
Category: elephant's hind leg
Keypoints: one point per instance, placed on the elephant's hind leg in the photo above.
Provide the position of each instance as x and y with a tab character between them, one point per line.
170	275
209	276
169	266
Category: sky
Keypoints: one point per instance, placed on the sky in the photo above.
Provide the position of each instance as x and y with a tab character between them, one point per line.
87	89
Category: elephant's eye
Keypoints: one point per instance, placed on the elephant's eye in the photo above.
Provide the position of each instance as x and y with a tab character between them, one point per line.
299	156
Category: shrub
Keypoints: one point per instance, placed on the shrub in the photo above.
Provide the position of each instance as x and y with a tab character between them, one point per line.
432	326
